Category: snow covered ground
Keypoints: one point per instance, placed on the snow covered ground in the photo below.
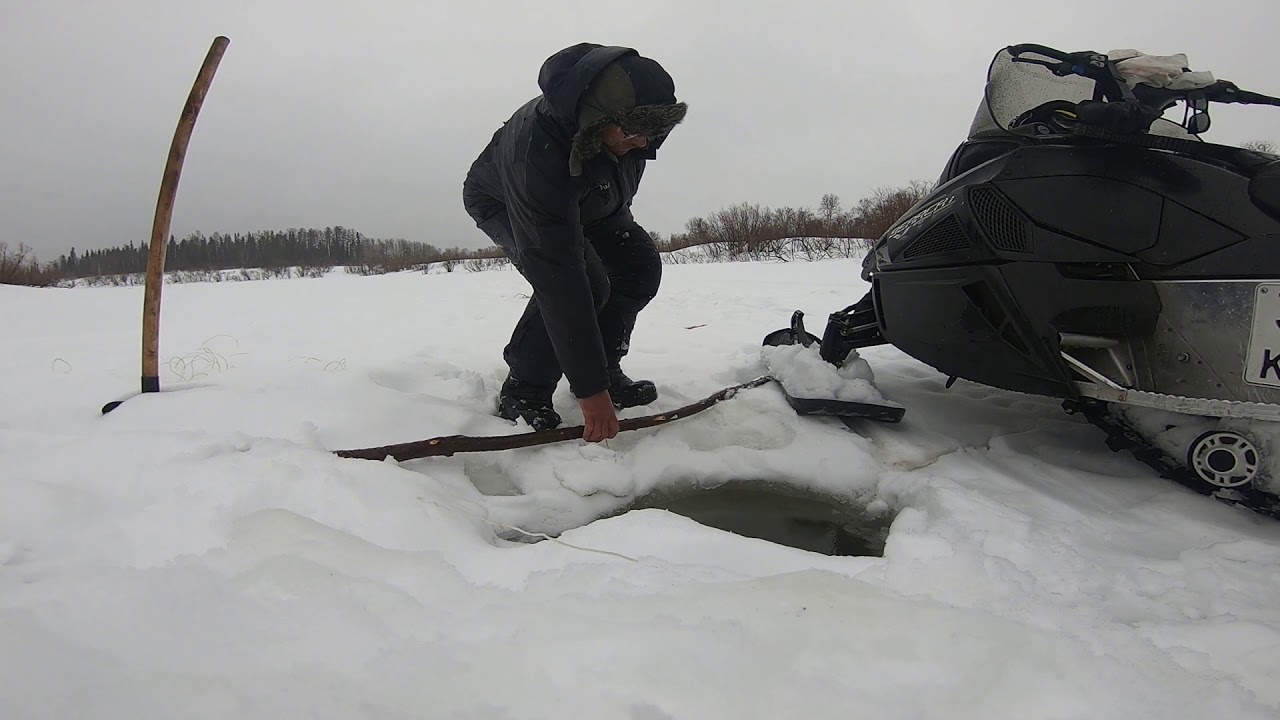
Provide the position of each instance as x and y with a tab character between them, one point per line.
202	553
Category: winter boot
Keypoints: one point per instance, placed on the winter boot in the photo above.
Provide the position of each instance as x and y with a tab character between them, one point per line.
519	399
626	392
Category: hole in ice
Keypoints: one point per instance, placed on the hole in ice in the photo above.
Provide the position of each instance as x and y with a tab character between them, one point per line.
489	478
779	514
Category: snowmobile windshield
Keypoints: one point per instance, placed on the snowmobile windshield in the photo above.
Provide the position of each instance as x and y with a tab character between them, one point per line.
1014	88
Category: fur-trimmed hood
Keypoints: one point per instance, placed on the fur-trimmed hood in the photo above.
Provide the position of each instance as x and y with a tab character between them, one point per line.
652	121
587	86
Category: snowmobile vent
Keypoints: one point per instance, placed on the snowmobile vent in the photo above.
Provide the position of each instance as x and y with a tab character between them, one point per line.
945	236
1003	225
983	298
1264	189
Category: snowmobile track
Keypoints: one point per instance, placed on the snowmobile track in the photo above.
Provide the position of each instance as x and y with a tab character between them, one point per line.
1120	436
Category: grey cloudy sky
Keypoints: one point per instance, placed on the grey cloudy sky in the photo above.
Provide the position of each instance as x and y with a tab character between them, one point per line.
367	113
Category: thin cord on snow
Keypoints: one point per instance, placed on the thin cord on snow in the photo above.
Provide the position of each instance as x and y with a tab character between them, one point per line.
544	536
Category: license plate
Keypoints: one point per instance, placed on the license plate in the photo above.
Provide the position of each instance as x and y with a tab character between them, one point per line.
1263	364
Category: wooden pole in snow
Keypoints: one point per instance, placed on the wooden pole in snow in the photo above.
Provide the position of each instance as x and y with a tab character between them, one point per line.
164	214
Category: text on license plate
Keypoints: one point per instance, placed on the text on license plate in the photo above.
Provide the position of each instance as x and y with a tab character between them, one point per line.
1262	367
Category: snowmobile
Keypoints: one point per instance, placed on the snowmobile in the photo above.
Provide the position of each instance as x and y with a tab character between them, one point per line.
1083	246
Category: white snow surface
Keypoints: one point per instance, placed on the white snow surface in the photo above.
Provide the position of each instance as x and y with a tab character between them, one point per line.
201	552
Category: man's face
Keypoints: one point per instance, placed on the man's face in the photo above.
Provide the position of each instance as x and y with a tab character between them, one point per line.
620	143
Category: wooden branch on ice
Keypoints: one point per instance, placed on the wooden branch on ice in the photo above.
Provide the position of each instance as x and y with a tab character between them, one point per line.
451	444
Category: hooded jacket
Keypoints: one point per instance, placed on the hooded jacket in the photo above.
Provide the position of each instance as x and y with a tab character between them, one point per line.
547	172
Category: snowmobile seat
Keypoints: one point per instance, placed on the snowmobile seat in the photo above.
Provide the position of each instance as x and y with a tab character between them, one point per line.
1264	189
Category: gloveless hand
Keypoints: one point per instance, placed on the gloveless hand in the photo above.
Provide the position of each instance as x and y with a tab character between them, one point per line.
600	422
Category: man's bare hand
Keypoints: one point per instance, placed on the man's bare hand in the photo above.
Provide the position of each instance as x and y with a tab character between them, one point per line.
600	422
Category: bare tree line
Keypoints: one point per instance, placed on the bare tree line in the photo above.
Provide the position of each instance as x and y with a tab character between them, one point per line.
753	232
739	232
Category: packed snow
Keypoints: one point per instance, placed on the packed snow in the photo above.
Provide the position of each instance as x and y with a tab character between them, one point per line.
804	374
201	552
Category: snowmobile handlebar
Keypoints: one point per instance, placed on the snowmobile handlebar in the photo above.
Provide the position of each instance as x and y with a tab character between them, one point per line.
1089	64
1086	63
1225	91
1222	91
1018	50
1102	69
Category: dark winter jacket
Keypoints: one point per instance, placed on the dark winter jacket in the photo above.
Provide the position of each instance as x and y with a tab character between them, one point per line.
547	172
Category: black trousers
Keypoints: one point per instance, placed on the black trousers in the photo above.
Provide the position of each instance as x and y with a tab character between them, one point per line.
625	270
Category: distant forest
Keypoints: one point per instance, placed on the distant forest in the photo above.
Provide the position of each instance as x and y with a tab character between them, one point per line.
740	232
295	247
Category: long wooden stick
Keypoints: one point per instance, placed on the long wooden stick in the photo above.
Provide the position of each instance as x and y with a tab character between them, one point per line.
164	214
451	444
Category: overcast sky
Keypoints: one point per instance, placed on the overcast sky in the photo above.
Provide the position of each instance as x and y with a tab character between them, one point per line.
367	113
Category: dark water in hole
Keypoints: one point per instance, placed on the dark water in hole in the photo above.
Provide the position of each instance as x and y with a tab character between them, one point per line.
779	514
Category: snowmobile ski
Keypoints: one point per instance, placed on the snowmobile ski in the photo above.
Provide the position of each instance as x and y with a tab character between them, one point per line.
845	409
795	334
